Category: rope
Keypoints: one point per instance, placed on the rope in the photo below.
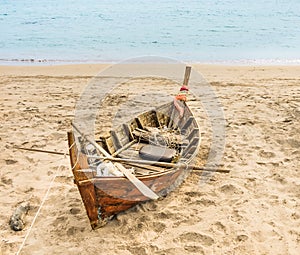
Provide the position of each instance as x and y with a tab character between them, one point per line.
77	156
43	201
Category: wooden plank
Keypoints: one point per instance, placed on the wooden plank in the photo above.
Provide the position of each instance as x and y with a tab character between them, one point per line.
155	169
193	143
87	191
171	121
116	141
123	148
139	123
193	133
146	191
156	119
187	75
128	132
110	145
187	124
90	202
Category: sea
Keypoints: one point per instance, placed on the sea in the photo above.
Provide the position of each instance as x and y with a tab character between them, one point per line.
206	31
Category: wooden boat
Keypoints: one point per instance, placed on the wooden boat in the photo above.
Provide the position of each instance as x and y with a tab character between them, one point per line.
140	160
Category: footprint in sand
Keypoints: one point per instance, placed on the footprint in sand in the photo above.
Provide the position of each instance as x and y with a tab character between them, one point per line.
6	181
230	189
75	210
242	238
293	143
10	161
236	216
266	154
194	249
220	226
193	194
205	202
195	237
74	230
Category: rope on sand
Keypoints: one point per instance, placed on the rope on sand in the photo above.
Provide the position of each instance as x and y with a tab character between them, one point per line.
40	207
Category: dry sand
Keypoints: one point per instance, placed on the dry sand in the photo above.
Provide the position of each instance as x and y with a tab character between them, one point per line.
253	210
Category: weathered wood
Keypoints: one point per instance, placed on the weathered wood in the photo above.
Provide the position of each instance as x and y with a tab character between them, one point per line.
155	169
88	196
97	146
116	140
73	152
187	125
139	123
110	145
141	186
123	148
187	75
193	167
38	150
135	181
128	132
86	191
191	144
116	194
161	164
195	133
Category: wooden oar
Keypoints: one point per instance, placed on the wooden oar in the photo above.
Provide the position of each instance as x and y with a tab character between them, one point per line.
145	190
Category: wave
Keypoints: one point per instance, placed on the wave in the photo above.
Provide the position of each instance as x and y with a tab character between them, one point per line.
255	62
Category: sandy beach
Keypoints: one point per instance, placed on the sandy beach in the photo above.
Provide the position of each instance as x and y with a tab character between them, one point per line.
255	209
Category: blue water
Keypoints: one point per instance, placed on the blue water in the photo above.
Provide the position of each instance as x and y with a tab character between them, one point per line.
113	30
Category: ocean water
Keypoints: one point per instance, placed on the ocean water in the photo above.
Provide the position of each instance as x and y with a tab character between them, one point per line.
105	30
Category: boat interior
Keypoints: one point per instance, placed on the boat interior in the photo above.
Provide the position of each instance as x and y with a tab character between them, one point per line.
158	135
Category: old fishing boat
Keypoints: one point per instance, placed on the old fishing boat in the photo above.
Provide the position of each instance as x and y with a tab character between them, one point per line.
138	161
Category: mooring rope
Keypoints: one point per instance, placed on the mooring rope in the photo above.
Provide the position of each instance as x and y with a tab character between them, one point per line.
42	204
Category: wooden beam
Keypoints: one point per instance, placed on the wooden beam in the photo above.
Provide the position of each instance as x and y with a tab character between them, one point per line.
162	164
187	75
128	131
139	123
126	146
38	150
116	140
187	124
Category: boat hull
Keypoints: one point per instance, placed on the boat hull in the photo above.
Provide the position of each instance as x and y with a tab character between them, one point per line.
106	196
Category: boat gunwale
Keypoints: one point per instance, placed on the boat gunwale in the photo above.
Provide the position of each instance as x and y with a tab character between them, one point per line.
172	169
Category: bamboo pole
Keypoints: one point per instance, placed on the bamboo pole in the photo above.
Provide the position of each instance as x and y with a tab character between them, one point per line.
143	162
39	150
162	164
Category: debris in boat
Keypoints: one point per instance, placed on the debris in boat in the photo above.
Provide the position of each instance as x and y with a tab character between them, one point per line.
17	222
107	169
163	137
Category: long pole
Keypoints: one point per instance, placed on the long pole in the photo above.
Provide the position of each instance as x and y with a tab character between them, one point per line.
39	150
162	164
142	162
